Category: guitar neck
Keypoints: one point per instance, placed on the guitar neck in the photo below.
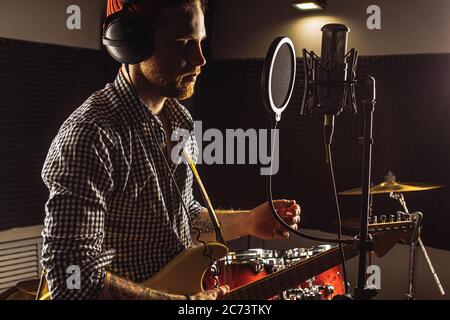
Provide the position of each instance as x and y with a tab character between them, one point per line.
285	279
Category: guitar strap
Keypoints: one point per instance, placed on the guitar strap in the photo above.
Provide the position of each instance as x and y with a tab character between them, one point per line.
206	199
41	286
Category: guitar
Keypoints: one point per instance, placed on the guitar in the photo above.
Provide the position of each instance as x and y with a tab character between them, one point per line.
185	273
173	277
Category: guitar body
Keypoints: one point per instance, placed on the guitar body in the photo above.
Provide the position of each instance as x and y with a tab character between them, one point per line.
184	274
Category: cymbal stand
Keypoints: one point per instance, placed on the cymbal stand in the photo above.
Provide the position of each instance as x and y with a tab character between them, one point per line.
413	248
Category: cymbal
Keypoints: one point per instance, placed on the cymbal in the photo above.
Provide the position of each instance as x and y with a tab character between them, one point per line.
390	184
388	187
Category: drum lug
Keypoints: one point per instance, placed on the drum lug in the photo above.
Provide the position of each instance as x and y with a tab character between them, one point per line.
257	266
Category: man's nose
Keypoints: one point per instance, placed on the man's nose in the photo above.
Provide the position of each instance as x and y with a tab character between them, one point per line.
197	58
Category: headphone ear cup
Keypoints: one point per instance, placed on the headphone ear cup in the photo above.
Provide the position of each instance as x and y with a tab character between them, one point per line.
128	37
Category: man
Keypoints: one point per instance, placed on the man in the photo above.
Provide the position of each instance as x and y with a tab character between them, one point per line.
113	211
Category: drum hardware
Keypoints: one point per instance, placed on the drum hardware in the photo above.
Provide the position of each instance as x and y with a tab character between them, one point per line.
303	294
323	286
413	248
395	189
328	290
319	287
243	267
258	259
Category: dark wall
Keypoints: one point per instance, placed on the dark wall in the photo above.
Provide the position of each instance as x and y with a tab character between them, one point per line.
41	85
412	138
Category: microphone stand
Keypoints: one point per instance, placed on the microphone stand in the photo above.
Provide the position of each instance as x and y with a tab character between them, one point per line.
364	241
417	240
310	100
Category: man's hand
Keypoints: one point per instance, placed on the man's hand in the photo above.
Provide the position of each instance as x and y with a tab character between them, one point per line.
258	222
262	224
212	294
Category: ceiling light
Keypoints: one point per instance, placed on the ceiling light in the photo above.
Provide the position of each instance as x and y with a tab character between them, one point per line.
310	5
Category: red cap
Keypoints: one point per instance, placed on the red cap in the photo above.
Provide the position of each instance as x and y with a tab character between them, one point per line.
144	7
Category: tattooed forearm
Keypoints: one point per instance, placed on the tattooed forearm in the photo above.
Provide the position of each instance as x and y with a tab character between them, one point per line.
204	225
234	224
118	288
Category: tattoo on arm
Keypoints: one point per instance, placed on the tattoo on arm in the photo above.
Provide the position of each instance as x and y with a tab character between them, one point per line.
118	288
233	222
204	225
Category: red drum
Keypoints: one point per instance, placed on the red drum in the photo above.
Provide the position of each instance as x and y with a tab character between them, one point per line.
332	281
243	267
323	286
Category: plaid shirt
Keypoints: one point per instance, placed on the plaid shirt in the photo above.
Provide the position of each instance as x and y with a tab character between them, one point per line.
112	205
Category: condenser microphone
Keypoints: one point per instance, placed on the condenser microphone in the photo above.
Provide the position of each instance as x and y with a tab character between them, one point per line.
333	71
329	80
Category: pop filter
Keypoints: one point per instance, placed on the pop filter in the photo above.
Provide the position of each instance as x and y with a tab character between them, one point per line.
278	76
277	84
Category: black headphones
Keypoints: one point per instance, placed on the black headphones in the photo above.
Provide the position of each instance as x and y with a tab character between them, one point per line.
128	36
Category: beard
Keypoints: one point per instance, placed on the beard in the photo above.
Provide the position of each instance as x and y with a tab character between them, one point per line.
168	83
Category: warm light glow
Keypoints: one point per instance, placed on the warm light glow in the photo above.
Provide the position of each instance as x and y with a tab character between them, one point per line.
307	6
306	32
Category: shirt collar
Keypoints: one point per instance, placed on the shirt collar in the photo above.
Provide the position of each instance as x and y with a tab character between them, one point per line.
178	115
